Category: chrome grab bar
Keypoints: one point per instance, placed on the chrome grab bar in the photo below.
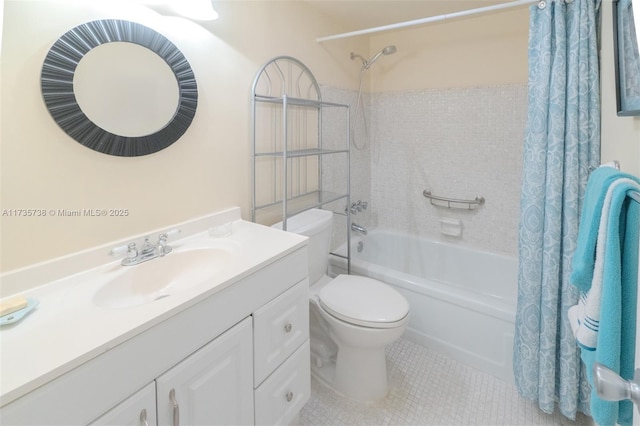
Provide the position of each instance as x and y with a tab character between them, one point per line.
470	204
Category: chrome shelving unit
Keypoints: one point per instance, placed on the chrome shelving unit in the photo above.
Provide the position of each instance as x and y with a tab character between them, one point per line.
300	146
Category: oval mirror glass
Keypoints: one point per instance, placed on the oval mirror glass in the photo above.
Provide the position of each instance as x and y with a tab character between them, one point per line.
126	89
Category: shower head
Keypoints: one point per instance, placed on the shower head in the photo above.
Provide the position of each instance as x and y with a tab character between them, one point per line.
389	50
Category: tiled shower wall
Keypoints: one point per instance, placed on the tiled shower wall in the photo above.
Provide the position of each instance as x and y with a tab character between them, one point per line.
334	172
458	143
333	136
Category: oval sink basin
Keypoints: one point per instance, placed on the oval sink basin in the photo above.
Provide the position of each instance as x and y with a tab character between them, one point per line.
160	277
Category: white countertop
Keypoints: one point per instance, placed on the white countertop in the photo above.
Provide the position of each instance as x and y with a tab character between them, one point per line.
68	329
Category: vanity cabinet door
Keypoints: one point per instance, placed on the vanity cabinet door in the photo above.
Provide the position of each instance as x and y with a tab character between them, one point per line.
137	410
213	386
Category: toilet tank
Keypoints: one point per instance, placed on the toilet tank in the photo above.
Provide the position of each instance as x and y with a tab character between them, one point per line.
315	224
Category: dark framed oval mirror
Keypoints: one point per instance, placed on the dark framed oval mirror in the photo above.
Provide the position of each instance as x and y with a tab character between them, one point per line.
148	131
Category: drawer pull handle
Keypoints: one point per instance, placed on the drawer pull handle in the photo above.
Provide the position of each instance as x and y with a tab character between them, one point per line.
289	396
143	417
176	407
288	327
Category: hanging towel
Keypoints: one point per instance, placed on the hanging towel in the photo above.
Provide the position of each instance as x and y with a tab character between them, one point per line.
587	312
607	254
584	256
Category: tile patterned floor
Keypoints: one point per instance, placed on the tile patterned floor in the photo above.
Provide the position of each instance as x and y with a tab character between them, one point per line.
428	388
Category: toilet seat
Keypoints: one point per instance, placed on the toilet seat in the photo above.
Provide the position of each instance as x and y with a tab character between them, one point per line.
363	301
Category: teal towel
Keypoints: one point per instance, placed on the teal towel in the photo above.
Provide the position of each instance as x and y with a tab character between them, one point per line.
615	346
585	253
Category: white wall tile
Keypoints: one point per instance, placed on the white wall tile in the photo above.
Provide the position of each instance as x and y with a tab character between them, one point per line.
458	143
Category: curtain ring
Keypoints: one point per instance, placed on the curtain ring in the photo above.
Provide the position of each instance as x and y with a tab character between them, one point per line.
542	4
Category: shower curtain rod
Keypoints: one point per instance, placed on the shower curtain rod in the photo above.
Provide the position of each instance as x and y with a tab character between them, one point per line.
429	19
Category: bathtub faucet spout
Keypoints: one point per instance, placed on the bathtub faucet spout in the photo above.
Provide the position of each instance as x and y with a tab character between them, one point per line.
358	228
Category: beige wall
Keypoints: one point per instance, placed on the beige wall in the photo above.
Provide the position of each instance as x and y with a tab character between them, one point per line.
208	169
479	50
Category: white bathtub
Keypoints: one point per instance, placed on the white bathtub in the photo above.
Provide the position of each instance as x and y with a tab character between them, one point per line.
462	300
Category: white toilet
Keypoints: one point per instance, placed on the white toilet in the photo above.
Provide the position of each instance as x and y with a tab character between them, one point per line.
352	318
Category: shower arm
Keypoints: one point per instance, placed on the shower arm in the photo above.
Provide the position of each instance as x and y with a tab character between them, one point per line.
355	55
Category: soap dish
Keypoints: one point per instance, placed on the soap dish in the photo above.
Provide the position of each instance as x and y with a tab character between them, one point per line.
18	315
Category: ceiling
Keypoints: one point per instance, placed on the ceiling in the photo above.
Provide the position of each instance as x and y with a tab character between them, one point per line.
360	14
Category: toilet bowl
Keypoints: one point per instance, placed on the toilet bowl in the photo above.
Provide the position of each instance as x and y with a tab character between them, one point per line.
362	317
352	318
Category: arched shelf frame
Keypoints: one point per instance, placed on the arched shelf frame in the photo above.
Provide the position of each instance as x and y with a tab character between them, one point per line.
286	76
288	145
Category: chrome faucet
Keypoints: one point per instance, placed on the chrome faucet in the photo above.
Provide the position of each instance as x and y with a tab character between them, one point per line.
357	206
358	228
148	251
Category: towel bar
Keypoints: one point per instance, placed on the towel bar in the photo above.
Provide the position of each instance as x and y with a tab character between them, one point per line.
470	204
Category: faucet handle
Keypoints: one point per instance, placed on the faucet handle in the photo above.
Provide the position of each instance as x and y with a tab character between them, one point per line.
121	250
163	237
173	232
128	249
356	207
162	241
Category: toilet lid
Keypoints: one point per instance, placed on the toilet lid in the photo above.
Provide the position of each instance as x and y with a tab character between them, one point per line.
363	301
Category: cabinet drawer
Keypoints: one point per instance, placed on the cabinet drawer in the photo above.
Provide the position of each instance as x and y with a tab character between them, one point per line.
280	327
281	397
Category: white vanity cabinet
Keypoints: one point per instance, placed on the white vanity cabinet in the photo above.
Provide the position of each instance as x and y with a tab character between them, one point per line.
213	386
197	363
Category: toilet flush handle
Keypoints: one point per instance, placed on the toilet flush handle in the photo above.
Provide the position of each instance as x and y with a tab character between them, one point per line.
288	327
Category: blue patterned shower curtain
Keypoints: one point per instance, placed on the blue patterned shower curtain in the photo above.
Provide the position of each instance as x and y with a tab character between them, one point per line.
562	144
